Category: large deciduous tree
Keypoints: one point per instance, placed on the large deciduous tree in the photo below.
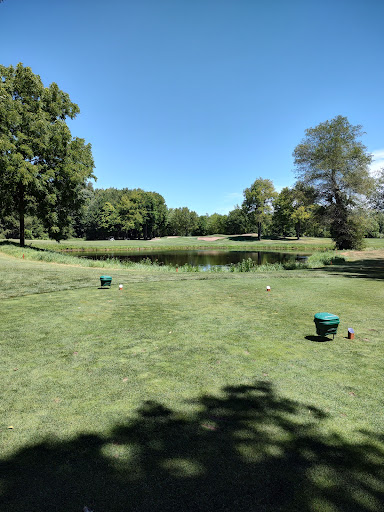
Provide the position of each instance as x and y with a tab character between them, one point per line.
43	169
293	209
216	223
257	204
237	222
143	214
182	221
283	208
304	204
125	213
333	159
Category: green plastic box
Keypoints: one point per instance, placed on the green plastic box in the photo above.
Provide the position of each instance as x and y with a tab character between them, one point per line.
105	281
326	324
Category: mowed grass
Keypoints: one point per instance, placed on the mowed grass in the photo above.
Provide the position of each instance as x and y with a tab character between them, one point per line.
218	241
189	392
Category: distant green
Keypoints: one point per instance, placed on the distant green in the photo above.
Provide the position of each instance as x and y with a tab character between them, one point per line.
244	242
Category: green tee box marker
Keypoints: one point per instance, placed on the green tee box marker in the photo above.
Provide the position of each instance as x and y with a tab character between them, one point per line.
105	281
326	323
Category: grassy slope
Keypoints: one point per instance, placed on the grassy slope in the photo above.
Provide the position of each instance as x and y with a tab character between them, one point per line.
243	242
230	242
190	392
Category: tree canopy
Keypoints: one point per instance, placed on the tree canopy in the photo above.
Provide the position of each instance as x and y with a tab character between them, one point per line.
182	221
45	188
125	213
43	169
333	159
257	204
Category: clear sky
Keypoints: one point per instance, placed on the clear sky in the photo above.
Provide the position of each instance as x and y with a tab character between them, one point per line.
195	99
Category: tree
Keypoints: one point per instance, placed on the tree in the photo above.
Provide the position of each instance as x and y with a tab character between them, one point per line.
155	214
283	208
216	223
143	214
81	217
110	219
202	223
125	213
257	204
182	221
43	170
95	212
378	195
294	210
237	222
304	204
336	163
374	224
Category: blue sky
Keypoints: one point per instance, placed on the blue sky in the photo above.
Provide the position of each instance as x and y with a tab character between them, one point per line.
195	99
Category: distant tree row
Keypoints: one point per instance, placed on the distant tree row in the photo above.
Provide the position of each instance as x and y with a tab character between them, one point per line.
122	214
136	214
45	186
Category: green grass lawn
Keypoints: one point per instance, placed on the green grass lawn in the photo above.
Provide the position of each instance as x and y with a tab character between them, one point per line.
190	391
229	242
234	242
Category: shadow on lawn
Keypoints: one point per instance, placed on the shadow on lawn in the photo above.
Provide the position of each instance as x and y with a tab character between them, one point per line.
17	244
367	269
319	339
244	238
248	450
254	238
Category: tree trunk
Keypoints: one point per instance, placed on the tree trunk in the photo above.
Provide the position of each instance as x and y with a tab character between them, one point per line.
259	230
21	215
298	230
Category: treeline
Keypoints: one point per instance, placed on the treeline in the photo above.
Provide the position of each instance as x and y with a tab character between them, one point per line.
45	189
137	214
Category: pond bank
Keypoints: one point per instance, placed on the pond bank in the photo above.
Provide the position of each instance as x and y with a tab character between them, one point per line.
203	258
317	260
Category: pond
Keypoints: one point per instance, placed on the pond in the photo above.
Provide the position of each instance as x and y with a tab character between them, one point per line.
203	258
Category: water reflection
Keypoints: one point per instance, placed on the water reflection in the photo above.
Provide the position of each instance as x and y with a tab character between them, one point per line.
202	258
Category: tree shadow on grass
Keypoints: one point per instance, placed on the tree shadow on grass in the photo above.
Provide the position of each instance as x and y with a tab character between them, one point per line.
243	238
17	244
254	238
245	450
367	269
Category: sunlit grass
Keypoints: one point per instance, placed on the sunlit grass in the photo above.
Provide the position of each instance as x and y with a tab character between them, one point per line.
178	328
81	361
235	242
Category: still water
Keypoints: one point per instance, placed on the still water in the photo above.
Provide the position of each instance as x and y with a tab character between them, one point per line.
202	258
